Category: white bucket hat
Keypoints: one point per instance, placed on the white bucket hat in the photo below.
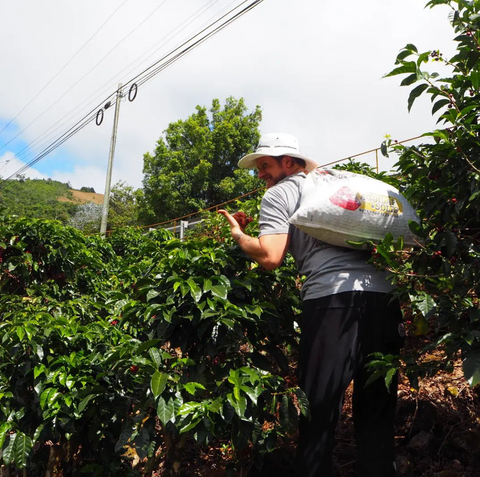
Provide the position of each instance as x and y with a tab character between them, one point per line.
276	144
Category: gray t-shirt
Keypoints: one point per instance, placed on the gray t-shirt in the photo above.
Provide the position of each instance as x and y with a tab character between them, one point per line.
328	269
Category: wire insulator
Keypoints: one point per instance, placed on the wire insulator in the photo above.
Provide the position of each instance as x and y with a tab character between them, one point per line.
99	117
132	92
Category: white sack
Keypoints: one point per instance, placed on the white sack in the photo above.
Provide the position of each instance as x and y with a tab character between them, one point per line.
339	206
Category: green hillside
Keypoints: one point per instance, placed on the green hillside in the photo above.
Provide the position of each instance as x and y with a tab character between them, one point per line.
38	198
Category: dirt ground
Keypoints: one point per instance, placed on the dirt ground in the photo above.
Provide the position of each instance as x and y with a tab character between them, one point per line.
83	197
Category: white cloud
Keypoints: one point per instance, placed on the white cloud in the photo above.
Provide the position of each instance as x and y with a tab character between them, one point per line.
89	176
10	164
315	68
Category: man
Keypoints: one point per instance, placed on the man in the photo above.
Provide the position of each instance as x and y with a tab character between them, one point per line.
347	314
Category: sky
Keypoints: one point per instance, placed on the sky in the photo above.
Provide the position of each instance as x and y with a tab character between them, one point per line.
315	67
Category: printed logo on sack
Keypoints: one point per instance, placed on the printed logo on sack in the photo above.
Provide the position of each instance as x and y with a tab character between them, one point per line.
382	204
346	199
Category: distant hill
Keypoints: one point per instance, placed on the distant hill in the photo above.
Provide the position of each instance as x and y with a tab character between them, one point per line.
43	199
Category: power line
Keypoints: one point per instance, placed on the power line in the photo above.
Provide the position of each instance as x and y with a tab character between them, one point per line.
197	43
27	147
186	23
147	76
64	66
84	76
61	121
88	118
79	126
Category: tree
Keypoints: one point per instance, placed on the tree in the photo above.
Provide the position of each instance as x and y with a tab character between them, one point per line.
123	207
195	165
442	178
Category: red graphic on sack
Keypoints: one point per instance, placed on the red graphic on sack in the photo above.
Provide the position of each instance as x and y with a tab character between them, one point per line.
346	199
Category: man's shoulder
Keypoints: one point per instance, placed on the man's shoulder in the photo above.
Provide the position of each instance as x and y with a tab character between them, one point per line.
285	195
290	183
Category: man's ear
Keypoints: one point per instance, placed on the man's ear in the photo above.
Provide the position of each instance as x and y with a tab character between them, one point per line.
288	161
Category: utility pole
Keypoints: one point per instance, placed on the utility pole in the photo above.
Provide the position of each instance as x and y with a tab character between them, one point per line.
106	197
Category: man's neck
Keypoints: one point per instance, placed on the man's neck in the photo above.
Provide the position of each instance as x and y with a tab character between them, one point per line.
297	170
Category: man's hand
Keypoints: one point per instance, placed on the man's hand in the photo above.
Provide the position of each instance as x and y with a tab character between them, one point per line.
239	220
242	219
269	250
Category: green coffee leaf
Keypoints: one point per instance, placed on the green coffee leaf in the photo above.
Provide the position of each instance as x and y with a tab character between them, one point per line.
407	67
8	453
165	410
219	291
239	405
48	397
303	403
471	367
389	376
426	304
22	449
147	345
195	290
156	356
288	414
4	428
191	387
158	383
415	93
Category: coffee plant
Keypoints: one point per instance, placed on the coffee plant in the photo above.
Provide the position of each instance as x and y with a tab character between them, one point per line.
115	354
440	278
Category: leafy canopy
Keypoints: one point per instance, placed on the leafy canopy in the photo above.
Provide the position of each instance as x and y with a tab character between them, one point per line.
442	178
124	346
195	165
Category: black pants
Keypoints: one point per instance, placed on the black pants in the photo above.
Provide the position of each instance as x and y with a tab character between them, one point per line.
338	333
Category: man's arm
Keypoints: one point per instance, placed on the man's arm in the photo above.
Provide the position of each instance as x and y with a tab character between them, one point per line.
268	250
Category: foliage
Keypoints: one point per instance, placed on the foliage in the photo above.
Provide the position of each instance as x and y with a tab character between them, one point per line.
441	277
41	255
36	198
367	170
212	224
123	207
114	349
195	165
49	199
